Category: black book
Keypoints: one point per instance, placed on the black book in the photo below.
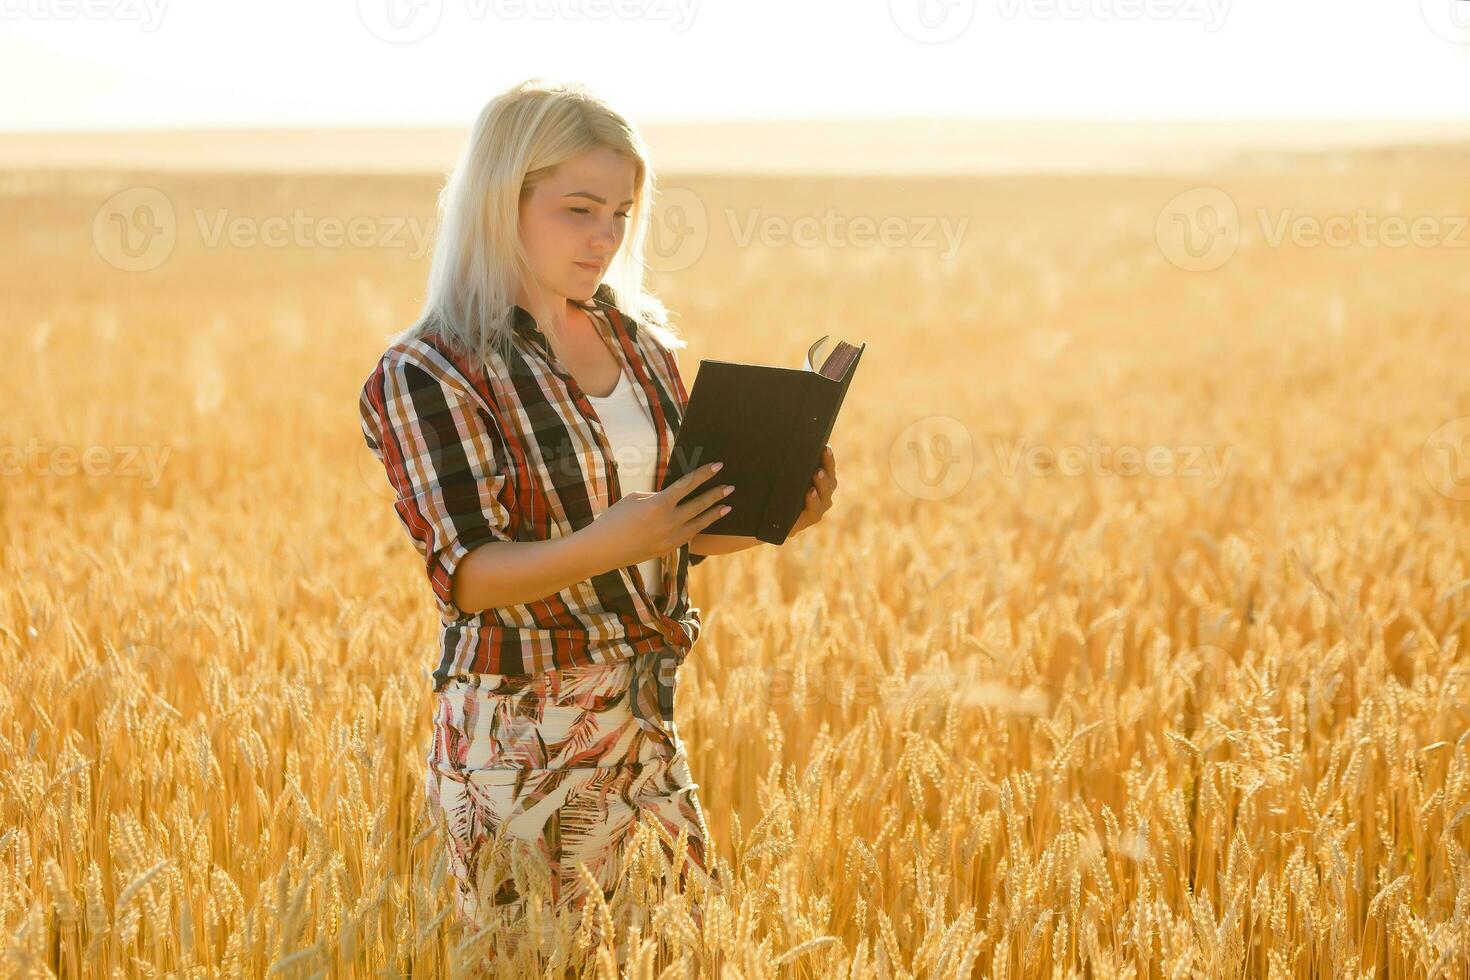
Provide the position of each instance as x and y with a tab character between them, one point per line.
768	425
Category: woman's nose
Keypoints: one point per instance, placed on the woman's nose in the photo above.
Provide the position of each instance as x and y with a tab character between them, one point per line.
607	235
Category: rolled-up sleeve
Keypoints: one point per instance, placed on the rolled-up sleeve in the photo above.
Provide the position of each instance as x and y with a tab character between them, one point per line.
444	458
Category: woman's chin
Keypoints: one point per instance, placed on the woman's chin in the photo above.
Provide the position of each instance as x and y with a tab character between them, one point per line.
582	292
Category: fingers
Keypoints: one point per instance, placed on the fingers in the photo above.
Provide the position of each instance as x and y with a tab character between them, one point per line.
824	482
696	505
708	517
701	512
822	486
818	498
825	477
690	480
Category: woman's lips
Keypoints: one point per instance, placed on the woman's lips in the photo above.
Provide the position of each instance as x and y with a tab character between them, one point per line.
591	266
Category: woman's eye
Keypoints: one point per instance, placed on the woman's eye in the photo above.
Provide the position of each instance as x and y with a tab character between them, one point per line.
621	214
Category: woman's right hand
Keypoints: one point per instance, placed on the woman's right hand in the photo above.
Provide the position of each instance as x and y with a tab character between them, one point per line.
643	525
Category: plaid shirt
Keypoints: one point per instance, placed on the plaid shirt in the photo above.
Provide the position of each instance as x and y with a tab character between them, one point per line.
517	453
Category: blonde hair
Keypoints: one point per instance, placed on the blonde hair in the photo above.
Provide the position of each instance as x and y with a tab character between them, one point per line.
478	262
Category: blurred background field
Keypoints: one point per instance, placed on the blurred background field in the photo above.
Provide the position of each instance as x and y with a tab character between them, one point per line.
1018	706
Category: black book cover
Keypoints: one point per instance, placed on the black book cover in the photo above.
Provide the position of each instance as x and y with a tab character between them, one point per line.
768	425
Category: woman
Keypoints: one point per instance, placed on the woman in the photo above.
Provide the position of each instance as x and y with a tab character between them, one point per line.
525	422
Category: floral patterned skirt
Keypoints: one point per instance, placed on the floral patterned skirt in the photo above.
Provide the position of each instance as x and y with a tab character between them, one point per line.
557	760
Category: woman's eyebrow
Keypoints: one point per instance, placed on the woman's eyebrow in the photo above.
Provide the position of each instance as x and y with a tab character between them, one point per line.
594	197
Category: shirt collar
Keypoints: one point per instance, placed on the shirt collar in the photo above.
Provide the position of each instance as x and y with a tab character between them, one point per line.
525	323
611	324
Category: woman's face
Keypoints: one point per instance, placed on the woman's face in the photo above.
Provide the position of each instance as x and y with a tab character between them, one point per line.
573	222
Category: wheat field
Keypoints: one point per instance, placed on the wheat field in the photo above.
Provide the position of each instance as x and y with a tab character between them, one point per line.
1134	646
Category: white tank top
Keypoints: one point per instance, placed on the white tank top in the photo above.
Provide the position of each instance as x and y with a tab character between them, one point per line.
634	445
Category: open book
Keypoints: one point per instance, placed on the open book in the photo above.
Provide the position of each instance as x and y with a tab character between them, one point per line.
768	425
843	356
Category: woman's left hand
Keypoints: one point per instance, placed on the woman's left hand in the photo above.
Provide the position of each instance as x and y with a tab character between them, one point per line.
819	496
